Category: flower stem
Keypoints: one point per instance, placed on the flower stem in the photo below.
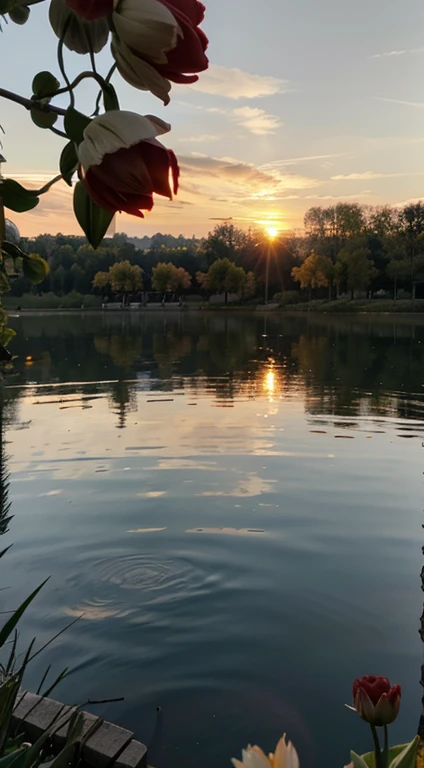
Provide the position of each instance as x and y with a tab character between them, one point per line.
386	748
48	185
30	103
377	750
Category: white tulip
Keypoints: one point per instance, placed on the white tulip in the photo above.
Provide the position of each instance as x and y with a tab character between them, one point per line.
79	34
138	72
117	130
148	27
253	757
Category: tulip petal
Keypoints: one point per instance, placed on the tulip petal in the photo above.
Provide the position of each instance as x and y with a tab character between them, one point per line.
115	130
138	73
148	27
285	755
253	757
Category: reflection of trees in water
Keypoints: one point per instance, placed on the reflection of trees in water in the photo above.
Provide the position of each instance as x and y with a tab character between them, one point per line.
123	395
5	504
339	364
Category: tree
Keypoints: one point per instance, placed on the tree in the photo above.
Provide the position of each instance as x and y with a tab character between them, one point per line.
412	219
315	272
249	285
101	281
125	277
122	277
224	242
223	277
355	268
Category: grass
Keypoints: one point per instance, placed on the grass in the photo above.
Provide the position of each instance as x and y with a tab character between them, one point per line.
51	301
358	306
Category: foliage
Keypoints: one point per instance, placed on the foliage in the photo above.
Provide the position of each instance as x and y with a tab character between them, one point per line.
166	277
223	277
316	272
123	277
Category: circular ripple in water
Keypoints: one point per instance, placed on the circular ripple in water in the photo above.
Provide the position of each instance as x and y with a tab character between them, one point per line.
169	579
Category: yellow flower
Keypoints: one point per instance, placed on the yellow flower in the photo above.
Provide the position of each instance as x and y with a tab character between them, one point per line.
253	757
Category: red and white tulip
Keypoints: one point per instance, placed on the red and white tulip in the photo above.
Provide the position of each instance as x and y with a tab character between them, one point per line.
123	164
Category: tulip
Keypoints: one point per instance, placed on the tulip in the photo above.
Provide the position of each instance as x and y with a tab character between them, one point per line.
138	73
147	27
376	700
160	35
188	57
79	34
91	9
123	164
253	757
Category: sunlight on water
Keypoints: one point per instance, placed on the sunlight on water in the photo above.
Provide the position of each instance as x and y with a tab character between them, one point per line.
233	505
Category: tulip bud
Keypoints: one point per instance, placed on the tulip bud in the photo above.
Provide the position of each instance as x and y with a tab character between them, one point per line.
375	700
148	28
79	33
139	73
123	164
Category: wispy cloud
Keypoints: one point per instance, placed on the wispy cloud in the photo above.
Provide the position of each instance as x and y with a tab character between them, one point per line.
370	176
363	193
300	160
202	138
416	104
235	84
401	52
257	121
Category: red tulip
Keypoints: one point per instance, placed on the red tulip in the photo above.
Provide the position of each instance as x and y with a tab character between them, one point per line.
375	700
123	164
91	9
157	41
188	57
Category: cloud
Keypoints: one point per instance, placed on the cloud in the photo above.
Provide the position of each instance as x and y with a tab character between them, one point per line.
236	84
416	104
390	54
370	175
233	181
257	121
299	160
202	138
364	193
412	201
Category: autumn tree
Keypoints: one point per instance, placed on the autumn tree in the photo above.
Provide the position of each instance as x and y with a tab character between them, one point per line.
222	277
166	277
315	272
122	277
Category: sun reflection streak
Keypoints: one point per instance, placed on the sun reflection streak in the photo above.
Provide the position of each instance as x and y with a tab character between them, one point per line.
270	383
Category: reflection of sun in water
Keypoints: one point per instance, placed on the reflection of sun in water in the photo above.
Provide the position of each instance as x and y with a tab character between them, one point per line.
272	232
269	383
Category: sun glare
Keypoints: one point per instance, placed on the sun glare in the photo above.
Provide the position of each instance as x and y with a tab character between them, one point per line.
272	232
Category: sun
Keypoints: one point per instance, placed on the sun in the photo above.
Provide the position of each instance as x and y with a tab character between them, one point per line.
272	232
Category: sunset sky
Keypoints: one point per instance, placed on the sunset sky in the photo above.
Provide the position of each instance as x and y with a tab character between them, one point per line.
305	103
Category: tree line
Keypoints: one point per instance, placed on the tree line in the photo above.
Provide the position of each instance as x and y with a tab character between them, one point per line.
346	249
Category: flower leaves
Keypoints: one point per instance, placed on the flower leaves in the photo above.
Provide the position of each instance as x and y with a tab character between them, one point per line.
75	124
16	197
93	220
68	163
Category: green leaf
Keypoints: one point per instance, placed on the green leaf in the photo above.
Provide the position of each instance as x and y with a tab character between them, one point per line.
68	163
35	268
16	197
43	119
12	250
75	124
17	615
369	757
358	761
6	334
4	282
44	84
93	220
110	98
408	757
20	14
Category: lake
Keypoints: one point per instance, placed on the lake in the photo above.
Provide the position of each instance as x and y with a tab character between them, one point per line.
233	504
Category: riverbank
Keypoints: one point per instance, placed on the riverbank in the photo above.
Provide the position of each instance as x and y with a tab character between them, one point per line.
49	303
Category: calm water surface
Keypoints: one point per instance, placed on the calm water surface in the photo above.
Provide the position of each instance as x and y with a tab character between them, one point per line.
234	504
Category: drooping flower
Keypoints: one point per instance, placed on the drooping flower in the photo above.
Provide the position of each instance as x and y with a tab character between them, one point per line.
91	9
253	757
157	41
123	164
376	700
188	57
79	34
